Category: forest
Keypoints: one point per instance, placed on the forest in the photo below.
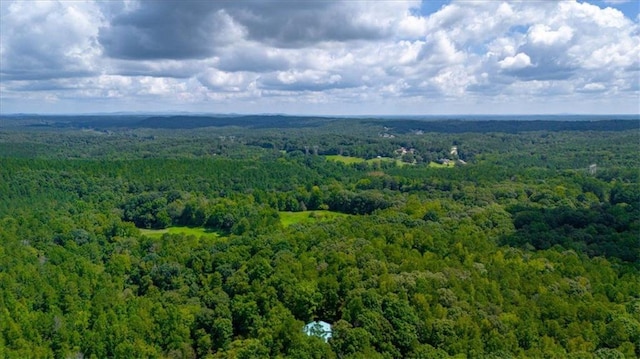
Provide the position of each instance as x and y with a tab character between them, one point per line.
132	236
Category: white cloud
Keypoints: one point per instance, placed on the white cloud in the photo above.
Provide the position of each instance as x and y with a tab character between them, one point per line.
440	48
358	55
544	35
225	81
517	62
47	39
412	26
594	87
453	81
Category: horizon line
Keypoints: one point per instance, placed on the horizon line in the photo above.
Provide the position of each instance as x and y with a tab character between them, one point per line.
239	114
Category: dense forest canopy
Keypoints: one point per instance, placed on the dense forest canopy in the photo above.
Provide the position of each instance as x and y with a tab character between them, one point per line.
221	237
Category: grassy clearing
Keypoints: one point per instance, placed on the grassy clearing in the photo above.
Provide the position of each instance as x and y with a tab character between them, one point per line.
389	159
187	231
344	159
440	165
289	218
351	160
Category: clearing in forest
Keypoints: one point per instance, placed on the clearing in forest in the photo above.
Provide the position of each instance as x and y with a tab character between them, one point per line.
344	159
187	231
289	218
351	160
449	164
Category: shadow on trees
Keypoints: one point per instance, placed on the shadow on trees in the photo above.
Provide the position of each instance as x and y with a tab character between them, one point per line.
609	230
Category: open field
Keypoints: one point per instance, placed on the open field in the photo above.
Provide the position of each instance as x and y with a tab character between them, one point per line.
350	160
442	165
195	231
289	218
344	159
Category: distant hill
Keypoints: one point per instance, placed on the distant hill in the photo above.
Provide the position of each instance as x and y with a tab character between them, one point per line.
251	121
398	124
508	126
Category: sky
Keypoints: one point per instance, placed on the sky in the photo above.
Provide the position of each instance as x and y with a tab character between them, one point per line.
320	57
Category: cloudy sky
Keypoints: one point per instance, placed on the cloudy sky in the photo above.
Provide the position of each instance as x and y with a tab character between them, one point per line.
320	56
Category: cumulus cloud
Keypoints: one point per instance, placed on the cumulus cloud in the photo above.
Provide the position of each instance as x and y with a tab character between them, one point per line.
199	29
439	48
47	40
594	87
301	24
544	35
305	23
253	57
225	81
517	62
356	54
307	80
169	30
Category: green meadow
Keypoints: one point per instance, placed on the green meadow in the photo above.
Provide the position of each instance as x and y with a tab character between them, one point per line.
351	160
187	231
442	165
344	159
289	218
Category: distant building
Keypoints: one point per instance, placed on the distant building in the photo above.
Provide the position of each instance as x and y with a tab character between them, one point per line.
403	151
319	329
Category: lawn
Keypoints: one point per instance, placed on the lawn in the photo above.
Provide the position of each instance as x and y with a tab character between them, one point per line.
289	218
440	165
389	159
344	159
196	231
350	160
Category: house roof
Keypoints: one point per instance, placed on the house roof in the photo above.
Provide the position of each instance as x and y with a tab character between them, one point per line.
319	329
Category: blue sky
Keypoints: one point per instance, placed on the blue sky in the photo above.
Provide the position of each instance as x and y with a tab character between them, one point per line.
320	57
630	8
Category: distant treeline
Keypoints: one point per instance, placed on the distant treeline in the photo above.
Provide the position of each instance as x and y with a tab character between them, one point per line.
506	126
396	125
